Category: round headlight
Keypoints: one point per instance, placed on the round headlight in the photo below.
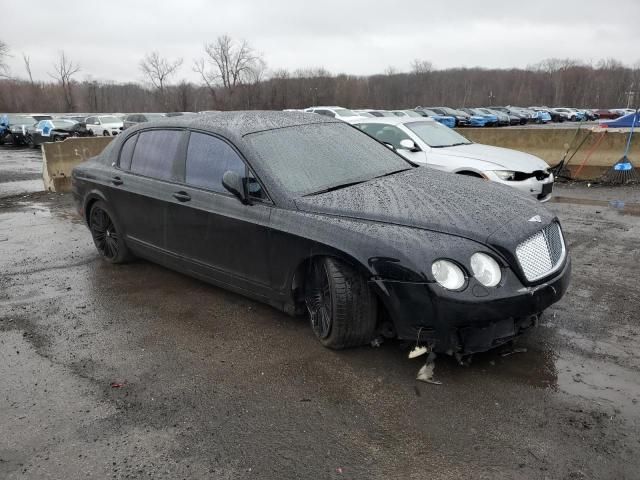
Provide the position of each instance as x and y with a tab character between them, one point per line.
448	274
485	269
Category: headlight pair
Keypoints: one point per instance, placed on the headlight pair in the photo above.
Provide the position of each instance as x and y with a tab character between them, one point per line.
485	269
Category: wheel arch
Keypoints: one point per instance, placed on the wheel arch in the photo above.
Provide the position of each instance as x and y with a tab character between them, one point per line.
90	199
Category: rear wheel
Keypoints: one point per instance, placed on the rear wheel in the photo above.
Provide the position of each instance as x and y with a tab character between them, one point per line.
107	234
28	139
342	308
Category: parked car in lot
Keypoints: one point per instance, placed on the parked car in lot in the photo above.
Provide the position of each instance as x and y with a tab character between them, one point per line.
104	125
503	118
135	118
425	142
606	114
491	119
55	130
446	120
516	117
373	112
570	114
311	215
462	119
334	112
13	127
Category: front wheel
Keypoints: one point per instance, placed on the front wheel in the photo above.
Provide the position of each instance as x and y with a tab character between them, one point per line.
107	234
105	134
342	308
28	139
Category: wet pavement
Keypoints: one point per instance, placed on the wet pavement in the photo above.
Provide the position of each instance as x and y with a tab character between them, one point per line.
135	371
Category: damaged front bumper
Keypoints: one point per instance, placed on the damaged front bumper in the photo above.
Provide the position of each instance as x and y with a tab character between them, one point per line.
472	321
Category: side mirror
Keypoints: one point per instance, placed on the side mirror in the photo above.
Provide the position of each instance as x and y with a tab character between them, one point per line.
236	185
410	145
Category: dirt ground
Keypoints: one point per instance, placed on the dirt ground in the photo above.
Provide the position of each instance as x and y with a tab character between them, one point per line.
135	371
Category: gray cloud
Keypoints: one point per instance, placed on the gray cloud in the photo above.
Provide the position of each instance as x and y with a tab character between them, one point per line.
359	37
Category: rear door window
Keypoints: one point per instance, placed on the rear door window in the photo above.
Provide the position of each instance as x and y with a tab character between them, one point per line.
208	158
156	154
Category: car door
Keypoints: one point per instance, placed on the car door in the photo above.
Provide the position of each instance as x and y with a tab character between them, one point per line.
220	237
142	187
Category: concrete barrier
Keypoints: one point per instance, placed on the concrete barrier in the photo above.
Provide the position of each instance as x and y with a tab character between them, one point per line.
550	144
59	158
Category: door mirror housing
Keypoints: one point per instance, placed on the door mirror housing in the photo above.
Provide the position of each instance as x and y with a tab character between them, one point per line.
236	185
410	145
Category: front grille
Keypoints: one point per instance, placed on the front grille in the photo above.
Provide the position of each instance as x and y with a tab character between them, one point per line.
542	253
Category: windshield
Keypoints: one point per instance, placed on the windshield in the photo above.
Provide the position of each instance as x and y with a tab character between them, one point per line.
343	112
310	158
62	123
437	135
451	111
411	113
110	120
21	120
154	116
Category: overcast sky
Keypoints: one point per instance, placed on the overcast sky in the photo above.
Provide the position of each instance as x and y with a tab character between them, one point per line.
108	38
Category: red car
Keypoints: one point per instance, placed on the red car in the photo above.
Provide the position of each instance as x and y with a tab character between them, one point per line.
605	113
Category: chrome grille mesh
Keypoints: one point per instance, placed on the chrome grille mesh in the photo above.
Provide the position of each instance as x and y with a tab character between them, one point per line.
542	253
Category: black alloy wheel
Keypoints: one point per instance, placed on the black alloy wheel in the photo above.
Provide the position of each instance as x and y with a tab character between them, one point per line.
318	300
107	235
342	308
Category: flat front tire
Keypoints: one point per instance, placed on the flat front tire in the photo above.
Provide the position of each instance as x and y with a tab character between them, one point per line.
342	309
107	234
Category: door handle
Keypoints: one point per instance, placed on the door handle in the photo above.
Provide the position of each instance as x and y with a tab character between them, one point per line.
116	180
182	196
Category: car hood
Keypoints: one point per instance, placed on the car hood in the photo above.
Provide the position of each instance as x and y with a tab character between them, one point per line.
436	201
502	158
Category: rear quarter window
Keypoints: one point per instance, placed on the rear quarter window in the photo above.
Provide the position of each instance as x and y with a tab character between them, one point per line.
126	153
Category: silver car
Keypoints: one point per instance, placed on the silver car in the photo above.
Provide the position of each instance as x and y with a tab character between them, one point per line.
424	141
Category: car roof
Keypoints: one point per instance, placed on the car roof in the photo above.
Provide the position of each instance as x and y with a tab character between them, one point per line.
394	120
240	123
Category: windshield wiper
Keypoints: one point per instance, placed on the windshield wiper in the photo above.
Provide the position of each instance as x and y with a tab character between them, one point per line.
461	143
392	173
335	187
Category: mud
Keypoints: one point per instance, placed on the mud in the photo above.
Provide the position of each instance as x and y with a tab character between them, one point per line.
213	385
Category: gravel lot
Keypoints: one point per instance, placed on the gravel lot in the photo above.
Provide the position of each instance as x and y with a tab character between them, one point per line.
135	371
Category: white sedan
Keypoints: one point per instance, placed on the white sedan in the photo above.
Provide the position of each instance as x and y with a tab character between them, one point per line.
424	141
104	125
340	113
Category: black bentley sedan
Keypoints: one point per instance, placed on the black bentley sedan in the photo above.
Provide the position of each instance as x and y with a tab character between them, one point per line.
314	217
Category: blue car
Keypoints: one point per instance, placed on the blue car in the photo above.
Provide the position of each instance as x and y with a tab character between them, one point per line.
491	119
443	119
478	121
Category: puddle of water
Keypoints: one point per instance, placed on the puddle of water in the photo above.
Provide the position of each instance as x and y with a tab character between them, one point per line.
625	208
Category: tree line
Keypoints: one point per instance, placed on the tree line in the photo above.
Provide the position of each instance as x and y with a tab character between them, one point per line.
233	76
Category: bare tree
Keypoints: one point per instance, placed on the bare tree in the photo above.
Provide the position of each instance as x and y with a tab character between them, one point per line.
159	71
64	70
229	63
421	66
4	54
27	66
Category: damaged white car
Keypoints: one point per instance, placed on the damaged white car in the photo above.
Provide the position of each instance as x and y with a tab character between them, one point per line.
427	142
